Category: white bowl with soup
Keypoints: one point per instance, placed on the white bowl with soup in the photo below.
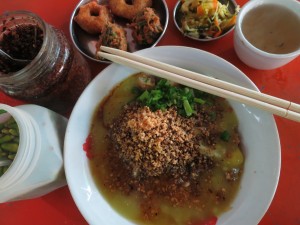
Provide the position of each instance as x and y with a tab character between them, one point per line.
267	33
93	183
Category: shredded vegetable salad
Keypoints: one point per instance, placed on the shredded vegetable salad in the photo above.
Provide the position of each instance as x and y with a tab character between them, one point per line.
206	18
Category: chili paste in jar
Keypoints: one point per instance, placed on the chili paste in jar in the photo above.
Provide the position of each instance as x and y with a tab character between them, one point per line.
56	74
20	42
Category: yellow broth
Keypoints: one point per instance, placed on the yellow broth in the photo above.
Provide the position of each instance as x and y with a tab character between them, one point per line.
216	192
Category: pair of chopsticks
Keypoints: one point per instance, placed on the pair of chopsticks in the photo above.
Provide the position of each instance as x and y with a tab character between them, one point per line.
271	104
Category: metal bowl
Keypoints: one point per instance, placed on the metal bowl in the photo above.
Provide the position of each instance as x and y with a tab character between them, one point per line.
177	15
86	43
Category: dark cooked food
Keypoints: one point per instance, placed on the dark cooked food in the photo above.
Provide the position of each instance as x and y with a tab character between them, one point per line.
129	11
113	36
93	17
146	27
21	42
162	153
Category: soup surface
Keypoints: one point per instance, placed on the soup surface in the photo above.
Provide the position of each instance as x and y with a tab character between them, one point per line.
165	166
272	28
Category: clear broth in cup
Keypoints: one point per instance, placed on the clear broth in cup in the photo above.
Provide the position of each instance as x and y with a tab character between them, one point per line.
272	28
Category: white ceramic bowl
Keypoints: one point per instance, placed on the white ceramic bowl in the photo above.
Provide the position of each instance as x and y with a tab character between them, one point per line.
258	132
253	56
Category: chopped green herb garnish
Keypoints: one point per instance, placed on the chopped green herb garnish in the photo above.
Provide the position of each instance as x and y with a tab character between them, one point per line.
199	100
2	111
225	136
144	97
187	107
165	95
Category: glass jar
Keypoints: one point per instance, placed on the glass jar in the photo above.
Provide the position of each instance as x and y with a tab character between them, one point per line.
37	167
57	74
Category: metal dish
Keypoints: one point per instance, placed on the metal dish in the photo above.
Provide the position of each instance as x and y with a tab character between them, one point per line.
232	5
86	43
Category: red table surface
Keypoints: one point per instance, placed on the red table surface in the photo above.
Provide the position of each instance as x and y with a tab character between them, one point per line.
58	207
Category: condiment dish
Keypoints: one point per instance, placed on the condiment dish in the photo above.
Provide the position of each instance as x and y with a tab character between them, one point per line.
177	16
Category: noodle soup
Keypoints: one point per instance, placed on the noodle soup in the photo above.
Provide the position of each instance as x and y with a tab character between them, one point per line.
161	153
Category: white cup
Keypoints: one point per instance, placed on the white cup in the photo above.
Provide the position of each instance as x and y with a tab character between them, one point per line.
252	56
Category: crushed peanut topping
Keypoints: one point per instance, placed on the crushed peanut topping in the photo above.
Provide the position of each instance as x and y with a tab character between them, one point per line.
152	143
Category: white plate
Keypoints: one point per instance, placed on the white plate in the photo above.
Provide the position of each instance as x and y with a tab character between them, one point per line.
258	130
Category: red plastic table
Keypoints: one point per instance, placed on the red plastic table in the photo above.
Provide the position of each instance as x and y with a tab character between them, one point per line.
58	207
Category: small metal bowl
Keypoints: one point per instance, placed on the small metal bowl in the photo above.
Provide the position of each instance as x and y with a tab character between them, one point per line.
86	43
232	5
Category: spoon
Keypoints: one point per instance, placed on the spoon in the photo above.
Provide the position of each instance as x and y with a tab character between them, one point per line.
10	59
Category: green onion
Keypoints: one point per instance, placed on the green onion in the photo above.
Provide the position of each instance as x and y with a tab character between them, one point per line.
144	96
156	95
225	136
164	95
199	100
187	107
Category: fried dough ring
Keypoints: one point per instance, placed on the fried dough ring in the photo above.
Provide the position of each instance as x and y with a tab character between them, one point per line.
122	9
93	17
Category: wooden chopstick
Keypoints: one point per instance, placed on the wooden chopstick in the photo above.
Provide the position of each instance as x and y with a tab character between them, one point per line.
141	63
206	79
